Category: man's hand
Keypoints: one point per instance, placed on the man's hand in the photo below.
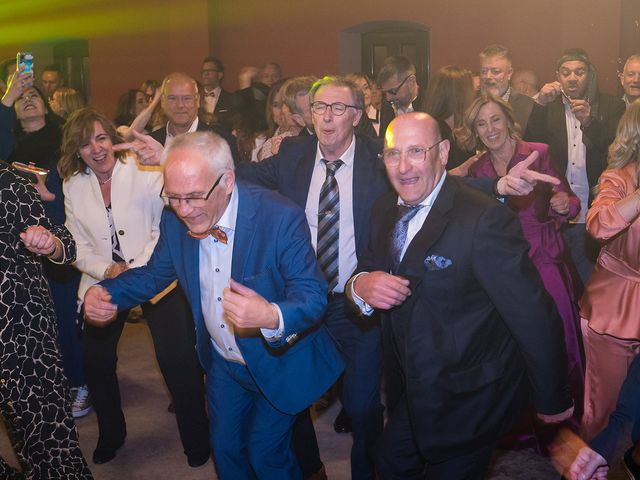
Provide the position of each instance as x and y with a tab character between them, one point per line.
557	418
40	241
588	465
560	203
246	309
98	309
549	92
382	290
146	147
582	110
520	181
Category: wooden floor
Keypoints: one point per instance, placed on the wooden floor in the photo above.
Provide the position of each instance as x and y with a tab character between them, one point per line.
153	450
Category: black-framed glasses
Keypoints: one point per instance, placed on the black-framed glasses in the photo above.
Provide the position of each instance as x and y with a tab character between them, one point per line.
191	201
337	108
416	154
394	91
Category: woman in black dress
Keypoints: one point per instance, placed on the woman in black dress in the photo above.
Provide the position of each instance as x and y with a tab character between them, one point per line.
34	395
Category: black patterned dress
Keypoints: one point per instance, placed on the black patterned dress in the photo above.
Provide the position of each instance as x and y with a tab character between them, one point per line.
34	397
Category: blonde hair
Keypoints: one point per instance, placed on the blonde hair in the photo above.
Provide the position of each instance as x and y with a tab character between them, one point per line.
626	146
69	100
466	134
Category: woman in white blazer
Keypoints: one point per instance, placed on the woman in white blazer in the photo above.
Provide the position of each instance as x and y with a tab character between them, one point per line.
113	209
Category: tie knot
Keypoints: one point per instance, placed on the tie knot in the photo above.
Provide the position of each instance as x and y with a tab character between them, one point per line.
407	212
332	166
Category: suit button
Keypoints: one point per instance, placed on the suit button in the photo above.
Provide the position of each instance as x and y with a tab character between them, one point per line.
120	232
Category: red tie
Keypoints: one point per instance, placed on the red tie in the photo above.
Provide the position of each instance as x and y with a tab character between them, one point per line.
215	231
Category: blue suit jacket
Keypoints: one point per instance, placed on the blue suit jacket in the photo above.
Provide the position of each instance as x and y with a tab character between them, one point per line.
290	172
272	254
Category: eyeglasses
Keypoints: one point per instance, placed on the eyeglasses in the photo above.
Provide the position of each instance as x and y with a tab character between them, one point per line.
337	108
26	97
416	155
186	99
394	91
191	201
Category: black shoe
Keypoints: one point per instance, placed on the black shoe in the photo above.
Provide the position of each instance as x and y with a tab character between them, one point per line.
630	467
196	461
104	454
342	423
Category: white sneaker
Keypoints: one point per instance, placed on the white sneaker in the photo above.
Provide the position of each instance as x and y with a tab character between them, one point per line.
81	402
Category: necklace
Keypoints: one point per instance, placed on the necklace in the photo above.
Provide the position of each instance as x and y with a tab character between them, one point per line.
104	182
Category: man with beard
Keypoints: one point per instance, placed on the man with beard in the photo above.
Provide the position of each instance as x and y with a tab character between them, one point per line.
580	125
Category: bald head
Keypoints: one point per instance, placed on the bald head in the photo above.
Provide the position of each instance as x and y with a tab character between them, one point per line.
198	179
415	156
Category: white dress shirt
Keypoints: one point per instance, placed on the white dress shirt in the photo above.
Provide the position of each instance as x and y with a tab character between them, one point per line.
215	272
211	102
347	260
576	162
170	136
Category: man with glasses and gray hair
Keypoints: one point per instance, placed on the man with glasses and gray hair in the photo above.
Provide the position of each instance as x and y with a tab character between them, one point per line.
336	176
180	103
397	79
244	258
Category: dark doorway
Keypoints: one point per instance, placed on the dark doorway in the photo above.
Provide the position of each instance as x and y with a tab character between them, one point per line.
411	43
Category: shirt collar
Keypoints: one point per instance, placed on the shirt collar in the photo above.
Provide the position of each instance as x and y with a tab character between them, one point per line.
229	217
347	157
216	90
428	202
192	128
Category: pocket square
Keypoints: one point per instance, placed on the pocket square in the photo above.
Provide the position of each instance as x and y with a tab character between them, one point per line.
436	262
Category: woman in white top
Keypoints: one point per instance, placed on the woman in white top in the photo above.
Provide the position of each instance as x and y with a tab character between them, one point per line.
113	209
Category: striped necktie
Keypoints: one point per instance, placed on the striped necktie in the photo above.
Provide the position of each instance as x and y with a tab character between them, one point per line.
329	224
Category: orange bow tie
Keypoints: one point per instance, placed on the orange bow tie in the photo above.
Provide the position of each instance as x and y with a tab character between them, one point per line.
215	231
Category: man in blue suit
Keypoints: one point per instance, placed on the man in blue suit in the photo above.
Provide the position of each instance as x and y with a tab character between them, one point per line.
243	256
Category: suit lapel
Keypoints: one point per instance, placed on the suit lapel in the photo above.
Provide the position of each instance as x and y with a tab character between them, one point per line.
364	175
245	232
302	174
435	223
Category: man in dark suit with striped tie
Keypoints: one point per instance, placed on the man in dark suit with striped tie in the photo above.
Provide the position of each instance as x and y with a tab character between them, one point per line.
336	176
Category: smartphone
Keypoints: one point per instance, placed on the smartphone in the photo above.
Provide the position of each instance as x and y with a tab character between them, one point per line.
26	59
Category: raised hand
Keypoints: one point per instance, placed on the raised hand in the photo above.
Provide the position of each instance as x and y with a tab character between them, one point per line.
245	308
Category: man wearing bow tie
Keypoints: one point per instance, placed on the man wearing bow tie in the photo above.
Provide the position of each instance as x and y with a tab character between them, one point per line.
475	334
218	105
243	256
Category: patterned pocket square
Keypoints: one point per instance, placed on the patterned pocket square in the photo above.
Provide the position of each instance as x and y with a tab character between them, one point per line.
436	262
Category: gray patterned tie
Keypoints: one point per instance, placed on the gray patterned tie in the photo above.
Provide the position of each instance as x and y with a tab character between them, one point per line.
329	224
399	233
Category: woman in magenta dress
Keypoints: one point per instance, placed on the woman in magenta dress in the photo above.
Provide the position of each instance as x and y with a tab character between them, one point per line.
489	125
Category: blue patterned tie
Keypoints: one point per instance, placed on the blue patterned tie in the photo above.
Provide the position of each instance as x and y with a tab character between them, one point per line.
329	224
399	233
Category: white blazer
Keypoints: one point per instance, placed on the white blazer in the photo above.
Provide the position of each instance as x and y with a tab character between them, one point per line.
136	207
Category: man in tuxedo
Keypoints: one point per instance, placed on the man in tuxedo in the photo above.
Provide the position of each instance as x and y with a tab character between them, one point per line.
397	80
218	105
180	103
476	335
348	164
243	256
580	125
495	78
